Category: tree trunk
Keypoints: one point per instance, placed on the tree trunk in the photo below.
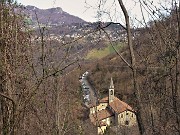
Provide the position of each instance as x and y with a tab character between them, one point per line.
134	70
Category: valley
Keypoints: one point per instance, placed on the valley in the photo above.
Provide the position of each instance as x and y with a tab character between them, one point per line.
61	75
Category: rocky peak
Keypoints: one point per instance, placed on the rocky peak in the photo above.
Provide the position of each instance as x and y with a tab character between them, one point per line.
52	16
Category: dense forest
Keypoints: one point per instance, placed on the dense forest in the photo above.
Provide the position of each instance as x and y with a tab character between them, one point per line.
40	92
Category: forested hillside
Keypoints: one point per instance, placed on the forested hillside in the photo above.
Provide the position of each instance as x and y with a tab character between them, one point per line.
41	65
157	59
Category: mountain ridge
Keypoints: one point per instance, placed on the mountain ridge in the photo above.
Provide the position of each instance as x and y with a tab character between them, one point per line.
51	16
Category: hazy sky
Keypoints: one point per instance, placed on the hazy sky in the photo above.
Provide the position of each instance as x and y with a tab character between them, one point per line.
88	10
74	7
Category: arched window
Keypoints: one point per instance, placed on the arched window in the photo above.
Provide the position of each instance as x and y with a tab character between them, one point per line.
111	92
126	122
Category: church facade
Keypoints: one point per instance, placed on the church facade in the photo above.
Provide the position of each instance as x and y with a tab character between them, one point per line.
111	111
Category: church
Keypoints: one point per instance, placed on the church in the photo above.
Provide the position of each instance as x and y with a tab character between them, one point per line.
111	111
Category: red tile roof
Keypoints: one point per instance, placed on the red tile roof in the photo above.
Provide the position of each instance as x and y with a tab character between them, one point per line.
104	100
119	106
98	116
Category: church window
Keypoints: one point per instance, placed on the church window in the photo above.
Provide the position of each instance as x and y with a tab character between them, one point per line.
127	113
126	122
111	92
132	114
121	115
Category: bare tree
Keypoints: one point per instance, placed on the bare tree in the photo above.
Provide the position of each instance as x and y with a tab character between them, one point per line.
133	67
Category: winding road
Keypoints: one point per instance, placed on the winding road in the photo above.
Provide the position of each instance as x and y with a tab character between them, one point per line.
90	97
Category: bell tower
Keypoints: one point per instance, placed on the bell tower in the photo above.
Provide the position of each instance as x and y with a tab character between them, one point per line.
111	91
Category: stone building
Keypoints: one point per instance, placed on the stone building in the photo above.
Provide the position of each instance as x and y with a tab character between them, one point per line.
111	111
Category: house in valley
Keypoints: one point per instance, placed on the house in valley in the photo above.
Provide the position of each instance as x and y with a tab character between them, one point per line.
111	111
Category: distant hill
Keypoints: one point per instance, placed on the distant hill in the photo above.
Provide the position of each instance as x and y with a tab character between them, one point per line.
63	28
52	16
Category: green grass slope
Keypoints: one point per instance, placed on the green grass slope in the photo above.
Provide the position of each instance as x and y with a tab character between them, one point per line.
101	53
